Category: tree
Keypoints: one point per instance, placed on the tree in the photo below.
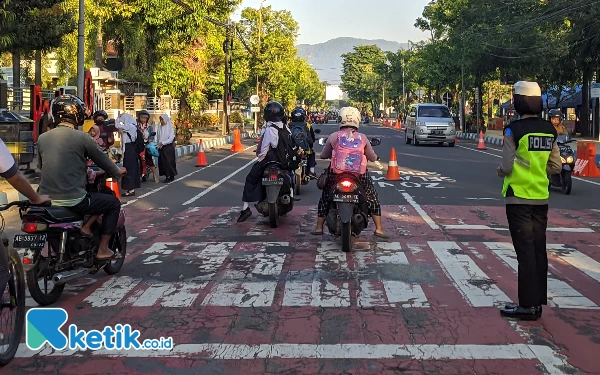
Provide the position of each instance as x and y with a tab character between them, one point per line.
362	74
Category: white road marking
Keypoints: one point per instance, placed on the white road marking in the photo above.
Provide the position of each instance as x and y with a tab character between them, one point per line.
131	239
112	291
477	289
577	259
318	290
499	156
183	177
167	295
156	250
485	227
560	294
216	185
420	211
550	359
392	292
237	286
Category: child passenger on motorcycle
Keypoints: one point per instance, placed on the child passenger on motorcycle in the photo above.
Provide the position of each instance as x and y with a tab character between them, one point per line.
350	122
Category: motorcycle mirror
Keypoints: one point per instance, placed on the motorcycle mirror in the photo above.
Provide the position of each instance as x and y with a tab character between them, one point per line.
375	142
318	131
322	141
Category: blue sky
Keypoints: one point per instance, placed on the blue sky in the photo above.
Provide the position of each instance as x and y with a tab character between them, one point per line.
322	20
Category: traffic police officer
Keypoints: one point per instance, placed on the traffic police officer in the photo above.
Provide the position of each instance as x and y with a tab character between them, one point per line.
530	153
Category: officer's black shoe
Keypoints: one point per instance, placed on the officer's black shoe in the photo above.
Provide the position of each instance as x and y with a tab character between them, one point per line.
244	215
538	310
518	312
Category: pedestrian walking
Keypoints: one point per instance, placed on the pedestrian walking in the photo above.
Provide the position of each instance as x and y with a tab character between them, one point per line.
128	127
165	137
529	154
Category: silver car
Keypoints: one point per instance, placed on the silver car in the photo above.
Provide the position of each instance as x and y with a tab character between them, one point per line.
430	123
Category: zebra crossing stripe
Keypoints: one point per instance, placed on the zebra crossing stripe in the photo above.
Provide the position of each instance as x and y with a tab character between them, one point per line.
560	294
577	259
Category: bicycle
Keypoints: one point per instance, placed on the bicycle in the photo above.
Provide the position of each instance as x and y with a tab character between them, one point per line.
12	298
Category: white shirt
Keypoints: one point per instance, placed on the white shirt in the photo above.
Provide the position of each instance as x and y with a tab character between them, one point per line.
165	134
7	161
270	138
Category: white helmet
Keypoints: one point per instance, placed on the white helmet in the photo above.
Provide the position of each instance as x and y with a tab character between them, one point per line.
350	116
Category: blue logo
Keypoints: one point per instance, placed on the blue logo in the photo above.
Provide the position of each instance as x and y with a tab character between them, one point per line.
44	326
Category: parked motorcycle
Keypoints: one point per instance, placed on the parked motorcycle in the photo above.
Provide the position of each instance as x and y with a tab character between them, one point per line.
348	211
278	190
68	255
563	180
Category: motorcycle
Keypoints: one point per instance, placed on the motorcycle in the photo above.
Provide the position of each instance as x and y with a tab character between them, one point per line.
348	211
563	180
278	190
301	174
143	166
70	255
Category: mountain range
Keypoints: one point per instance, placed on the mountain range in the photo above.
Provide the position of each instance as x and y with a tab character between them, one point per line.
326	57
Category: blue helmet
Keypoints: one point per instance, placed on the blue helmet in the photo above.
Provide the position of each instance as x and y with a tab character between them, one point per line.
152	148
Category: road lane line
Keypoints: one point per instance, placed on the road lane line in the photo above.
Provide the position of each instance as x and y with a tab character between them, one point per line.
560	294
499	156
182	178
211	188
577	259
420	211
477	289
485	227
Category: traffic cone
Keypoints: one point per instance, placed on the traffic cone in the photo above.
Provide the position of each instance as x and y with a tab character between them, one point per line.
237	142
113	185
398	124
393	174
201	157
481	145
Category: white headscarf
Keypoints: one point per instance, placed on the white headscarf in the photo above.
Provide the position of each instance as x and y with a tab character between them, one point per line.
127	124
165	134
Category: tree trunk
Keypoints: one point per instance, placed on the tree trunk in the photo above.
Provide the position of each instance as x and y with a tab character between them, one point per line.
99	45
16	67
38	68
490	102
585	104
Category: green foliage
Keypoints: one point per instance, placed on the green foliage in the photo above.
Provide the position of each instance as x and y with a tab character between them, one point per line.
363	74
236	118
205	121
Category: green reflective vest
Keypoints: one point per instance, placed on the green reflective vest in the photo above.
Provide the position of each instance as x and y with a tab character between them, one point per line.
529	179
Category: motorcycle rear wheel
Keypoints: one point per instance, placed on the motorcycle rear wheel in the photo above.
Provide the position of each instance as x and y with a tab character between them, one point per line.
118	242
273	215
41	271
346	229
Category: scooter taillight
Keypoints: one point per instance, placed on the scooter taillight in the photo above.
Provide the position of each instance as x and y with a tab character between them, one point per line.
34	227
346	186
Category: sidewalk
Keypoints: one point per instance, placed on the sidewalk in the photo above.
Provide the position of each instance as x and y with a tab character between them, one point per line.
210	140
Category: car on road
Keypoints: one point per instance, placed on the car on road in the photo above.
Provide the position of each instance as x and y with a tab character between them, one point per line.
431	123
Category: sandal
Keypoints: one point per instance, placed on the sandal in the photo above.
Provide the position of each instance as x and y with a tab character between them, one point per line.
113	256
130	193
316	233
381	235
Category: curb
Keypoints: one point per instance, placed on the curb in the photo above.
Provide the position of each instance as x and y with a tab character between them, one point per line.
180	151
475	137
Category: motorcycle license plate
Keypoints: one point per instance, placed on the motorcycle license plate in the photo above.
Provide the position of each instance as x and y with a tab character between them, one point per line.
29	241
345	198
272	181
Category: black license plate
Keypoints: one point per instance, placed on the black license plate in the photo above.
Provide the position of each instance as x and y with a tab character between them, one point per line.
272	181
345	198
437	132
29	241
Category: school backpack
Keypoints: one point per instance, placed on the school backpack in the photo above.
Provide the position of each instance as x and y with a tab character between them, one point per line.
348	155
139	144
300	135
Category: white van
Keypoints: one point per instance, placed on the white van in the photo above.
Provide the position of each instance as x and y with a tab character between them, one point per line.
431	123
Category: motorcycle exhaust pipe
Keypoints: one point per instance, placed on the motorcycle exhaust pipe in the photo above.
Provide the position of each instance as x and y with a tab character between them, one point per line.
285	199
65	277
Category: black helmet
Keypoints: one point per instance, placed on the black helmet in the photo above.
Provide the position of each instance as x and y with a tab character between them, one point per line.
100	113
298	115
143	112
274	112
555	113
68	108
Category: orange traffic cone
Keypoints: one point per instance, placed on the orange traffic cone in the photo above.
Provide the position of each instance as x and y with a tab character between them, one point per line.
113	185
237	142
201	157
393	174
481	145
398	124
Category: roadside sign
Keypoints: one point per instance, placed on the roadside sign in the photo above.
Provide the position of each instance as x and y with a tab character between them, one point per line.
595	90
254	99
254	109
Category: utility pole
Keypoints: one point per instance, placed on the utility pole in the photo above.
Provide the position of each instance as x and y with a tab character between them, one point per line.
257	85
403	90
80	48
227	47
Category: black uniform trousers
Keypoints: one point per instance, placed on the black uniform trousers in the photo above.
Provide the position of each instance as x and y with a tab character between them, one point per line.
527	225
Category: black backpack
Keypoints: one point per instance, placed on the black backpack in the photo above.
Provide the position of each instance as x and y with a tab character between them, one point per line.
300	135
139	144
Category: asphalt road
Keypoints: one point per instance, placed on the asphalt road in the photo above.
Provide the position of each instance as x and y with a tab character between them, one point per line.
248	299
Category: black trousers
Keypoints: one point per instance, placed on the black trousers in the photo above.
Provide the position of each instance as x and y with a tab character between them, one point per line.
527	224
311	160
101	204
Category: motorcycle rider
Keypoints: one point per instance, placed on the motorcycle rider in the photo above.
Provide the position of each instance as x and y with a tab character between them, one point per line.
556	118
298	117
349	121
276	144
63	154
146	156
